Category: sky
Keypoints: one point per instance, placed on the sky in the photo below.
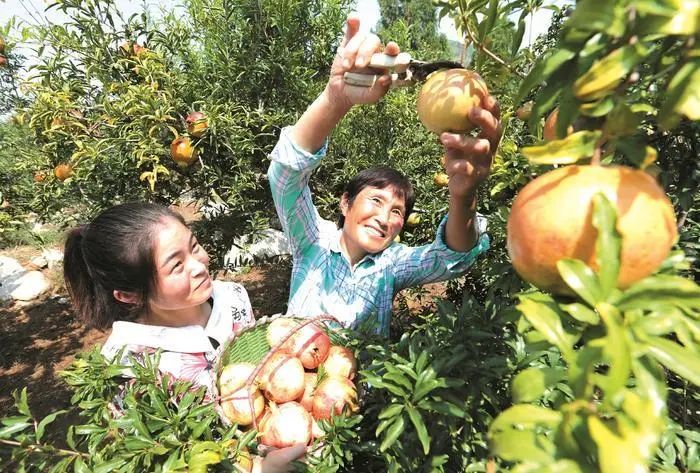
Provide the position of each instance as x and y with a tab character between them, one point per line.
29	10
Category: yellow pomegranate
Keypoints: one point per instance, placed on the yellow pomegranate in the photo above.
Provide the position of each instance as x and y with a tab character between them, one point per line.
63	171
550	126
182	151
524	112
197	124
551	220
447	97
413	219
441	179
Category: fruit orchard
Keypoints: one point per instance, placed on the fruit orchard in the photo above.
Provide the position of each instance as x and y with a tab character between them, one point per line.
573	345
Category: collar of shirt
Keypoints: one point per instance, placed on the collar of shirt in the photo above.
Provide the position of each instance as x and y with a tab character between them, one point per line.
334	246
188	339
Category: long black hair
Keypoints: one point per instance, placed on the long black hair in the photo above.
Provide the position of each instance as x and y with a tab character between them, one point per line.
113	252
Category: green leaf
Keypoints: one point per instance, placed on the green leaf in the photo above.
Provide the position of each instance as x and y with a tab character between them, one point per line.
198	462
520	446
531	383
518	37
607	73
443	407
526	416
597	109
21	402
676	358
582	370
609	447
678	18
581	279
79	466
682	96
513	436
7	431
635	149
491	16
109	466
392	434
615	350
400	380
581	313
621	121
389	411
46	421
597	15
573	148
608	244
421	430
546	319
660	290
542	70
651	382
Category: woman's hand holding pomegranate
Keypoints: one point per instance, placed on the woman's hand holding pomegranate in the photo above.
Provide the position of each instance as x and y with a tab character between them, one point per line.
279	460
354	55
468	159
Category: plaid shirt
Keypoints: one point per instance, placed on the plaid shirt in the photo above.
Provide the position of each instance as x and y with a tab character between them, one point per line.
323	282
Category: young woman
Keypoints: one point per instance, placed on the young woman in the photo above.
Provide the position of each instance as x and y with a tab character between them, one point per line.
354	272
138	269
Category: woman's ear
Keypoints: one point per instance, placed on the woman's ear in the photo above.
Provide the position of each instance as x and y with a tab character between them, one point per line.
126	296
344	204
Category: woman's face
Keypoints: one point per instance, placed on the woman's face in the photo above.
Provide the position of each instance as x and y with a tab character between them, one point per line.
182	269
372	222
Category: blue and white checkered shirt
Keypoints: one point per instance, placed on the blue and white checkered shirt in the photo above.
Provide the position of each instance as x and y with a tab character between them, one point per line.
323	282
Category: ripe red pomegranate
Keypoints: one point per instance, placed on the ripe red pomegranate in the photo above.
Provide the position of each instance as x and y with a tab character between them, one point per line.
196	124
278	329
285	425
63	171
237	405
340	362
236	396
332	394
182	151
311	345
306	399
282	378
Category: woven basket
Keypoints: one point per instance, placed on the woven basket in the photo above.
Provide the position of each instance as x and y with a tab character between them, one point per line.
251	346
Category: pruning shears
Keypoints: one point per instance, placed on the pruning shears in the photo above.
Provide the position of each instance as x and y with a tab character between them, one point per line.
406	70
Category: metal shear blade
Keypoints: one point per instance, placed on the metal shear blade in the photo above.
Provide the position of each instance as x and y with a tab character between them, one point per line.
407	71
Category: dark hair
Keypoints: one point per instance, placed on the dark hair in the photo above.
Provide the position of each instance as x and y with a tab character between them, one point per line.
380	177
113	252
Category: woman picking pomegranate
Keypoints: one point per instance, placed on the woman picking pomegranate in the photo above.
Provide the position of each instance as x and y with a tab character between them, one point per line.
355	271
138	268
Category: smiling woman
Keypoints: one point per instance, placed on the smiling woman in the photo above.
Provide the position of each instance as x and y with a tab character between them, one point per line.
353	272
139	269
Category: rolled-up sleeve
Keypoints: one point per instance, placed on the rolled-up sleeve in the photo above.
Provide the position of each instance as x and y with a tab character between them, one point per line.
415	266
289	174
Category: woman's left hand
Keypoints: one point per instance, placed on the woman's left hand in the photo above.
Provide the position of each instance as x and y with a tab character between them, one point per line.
468	159
280	460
